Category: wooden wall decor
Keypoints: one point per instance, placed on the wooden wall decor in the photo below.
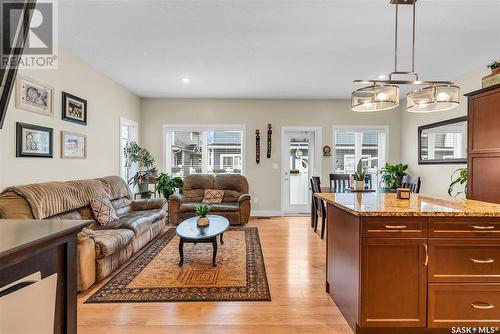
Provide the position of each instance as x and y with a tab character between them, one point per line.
257	146
269	134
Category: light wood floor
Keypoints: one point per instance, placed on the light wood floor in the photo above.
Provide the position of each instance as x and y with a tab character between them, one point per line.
295	264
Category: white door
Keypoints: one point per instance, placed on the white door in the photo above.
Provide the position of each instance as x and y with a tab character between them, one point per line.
298	160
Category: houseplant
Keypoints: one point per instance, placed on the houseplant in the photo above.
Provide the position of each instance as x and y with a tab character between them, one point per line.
359	176
167	185
202	212
145	163
458	178
494	77
392	175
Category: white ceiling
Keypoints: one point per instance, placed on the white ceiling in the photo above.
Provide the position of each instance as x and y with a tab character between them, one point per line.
272	49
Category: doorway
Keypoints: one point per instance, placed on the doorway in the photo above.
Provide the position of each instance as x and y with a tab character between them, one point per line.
300	147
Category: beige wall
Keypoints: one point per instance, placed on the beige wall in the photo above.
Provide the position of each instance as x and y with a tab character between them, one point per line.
265	182
107	101
435	178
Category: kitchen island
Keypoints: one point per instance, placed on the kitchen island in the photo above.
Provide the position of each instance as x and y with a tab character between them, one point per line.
422	265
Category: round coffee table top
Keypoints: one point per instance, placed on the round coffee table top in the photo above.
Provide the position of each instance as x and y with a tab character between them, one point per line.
188	229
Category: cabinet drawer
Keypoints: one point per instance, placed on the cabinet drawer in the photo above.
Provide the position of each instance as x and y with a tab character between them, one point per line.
464	260
394	227
464	305
464	227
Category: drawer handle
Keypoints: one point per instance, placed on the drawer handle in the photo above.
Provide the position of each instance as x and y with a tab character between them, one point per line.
482	261
426	255
478	227
395	227
482	306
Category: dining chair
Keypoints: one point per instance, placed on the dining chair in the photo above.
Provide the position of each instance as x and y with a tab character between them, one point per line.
368	181
314	211
412	183
339	182
319	206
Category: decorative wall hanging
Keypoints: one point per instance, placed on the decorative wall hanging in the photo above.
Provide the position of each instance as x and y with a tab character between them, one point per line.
34	96
74	109
269	134
327	151
33	141
73	145
257	146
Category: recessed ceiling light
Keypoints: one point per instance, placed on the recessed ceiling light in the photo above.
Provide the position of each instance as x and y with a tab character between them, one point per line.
185	80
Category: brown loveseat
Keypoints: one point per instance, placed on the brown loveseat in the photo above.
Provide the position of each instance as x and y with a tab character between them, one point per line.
235	205
101	249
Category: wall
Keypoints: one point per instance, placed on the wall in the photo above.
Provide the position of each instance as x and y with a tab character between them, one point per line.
106	102
265	182
435	178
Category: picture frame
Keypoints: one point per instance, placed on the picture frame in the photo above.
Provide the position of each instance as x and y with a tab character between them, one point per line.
73	145
74	109
34	141
34	96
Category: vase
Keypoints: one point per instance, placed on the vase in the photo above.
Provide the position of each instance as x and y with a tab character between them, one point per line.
202	221
359	185
492	79
143	187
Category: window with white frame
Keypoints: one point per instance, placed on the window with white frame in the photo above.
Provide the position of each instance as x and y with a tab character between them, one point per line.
353	144
129	132
204	149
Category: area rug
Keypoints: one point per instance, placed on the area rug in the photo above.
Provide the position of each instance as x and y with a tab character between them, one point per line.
155	275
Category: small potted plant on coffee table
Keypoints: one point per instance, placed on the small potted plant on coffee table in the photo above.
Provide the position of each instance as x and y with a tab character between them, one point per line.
202	212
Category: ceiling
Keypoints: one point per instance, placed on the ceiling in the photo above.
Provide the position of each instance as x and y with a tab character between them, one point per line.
272	49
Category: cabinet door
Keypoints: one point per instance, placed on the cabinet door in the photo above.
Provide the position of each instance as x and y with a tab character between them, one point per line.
394	282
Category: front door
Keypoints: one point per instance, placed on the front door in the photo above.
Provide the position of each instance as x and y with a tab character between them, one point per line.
298	166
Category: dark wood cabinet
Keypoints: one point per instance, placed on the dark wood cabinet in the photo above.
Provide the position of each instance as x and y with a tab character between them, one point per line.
393	282
483	153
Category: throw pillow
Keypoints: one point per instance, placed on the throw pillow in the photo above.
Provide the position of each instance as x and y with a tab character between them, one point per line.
103	210
213	196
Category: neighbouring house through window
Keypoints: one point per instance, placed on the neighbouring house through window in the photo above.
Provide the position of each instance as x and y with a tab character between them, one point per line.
350	145
204	149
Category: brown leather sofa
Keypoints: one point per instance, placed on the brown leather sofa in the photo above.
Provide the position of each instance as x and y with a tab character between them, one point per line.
235	205
101	249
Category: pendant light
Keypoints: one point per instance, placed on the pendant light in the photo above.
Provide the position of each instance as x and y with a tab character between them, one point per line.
383	94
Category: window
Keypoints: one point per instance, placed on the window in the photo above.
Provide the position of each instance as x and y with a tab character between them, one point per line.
128	133
204	149
350	145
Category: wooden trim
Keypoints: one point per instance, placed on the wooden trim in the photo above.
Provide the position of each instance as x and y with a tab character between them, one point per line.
482	90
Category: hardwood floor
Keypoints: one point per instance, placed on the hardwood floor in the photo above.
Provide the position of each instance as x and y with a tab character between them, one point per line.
295	265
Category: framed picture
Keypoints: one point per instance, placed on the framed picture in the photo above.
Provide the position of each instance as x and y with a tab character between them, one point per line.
74	109
34	141
73	145
34	96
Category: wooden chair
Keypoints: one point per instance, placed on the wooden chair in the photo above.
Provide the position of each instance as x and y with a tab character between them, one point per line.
319	206
339	182
412	183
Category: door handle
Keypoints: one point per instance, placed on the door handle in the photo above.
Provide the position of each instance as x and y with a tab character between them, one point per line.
426	255
488	260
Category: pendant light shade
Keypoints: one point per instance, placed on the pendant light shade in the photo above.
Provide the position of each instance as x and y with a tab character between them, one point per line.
375	98
433	98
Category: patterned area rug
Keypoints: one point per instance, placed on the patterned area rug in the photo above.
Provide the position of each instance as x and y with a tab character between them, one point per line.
155	275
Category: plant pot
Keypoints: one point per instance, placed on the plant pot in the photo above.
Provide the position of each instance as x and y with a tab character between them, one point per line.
359	185
202	221
143	187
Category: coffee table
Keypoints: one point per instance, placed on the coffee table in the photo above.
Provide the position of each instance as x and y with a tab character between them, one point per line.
189	231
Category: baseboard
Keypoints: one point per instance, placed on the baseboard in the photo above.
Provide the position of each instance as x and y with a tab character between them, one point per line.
266	213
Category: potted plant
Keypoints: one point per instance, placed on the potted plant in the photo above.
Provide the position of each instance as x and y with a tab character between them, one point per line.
494	77
202	212
458	178
167	185
145	163
359	176
392	175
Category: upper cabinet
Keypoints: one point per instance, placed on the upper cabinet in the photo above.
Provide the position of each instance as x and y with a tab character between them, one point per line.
483	158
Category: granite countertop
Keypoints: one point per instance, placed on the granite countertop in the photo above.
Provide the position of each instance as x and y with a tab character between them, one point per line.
386	204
